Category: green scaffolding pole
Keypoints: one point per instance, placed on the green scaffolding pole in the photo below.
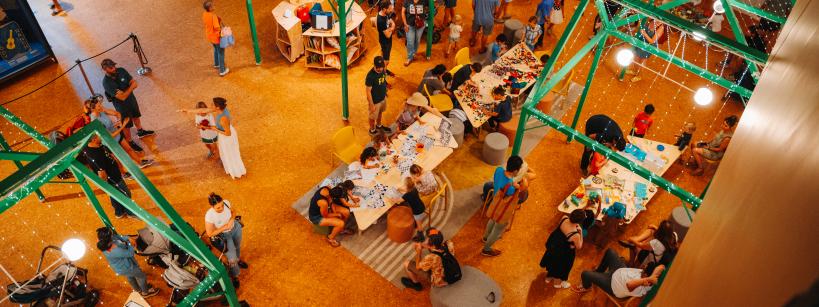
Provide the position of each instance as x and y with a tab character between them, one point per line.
5	146
256	51
757	11
738	34
341	10
430	27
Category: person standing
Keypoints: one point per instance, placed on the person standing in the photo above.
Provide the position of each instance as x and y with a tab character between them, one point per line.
543	12
119	252
107	117
483	21
221	223
602	129
414	16
504	204
649	33
227	138
455	29
213	32
119	89
376	82
643	121
102	161
386	27
533	33
561	247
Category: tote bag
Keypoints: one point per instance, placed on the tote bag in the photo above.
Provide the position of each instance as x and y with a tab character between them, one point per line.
556	17
226	37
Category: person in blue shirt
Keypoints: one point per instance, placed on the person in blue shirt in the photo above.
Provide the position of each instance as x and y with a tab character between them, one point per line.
498	48
119	251
503	109
543	12
514	179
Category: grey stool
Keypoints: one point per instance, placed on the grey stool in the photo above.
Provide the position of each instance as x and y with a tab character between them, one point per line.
680	221
457	130
494	148
509	28
474	289
518	37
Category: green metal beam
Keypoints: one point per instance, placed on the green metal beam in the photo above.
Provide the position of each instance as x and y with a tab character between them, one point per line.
342	10
757	11
683	64
597	54
738	34
616	157
538	91
430	27
739	48
5	146
250	19
665	7
200	290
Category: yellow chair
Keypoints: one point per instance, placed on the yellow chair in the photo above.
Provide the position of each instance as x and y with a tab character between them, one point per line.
345	145
439	101
540	54
462	56
455	69
563	89
440	193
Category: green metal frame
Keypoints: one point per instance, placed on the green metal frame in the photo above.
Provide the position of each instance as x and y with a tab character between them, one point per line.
644	10
252	20
42	167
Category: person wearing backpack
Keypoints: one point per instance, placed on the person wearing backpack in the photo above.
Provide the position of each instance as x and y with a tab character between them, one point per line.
439	266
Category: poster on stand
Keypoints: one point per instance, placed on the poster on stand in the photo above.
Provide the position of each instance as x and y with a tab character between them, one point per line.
22	43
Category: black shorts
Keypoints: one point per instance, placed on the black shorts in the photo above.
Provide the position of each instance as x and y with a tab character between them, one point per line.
386	47
129	110
450	3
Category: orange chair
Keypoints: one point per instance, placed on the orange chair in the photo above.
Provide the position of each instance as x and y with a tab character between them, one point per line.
510	128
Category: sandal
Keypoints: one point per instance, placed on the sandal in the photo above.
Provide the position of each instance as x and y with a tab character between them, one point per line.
333	242
580	289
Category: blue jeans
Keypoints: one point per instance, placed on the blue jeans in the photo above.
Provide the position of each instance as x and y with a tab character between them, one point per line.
413	40
219	57
233	240
137	280
119	209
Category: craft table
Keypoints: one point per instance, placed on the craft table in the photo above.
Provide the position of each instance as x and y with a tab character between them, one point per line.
658	162
475	96
386	180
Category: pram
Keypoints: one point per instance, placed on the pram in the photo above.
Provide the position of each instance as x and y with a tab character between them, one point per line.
182	272
66	282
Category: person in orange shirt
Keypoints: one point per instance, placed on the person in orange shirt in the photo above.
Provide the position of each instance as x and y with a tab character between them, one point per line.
213	30
643	121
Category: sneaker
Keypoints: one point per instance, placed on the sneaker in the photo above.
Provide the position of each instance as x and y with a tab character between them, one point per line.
121	216
151	292
143	133
635	79
242	264
410	284
222	74
373	131
236	283
563	285
491	253
625	244
499	20
145	163
386	130
135	146
483	240
127	176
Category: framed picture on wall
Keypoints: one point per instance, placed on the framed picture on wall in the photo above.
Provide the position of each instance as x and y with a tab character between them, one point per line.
22	42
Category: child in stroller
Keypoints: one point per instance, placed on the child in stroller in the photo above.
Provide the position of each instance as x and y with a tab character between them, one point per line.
66	283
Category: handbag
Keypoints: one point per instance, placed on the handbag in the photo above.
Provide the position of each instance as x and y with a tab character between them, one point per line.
226	37
556	17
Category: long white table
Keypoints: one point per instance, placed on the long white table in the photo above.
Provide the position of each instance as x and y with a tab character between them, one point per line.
617	184
475	97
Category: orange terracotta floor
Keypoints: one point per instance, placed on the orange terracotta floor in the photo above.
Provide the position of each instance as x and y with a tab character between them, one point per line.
285	114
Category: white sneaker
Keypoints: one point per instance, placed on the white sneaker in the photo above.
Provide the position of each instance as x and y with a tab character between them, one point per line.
222	74
563	285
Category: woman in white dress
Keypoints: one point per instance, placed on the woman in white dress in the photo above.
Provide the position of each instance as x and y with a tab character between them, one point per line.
228	139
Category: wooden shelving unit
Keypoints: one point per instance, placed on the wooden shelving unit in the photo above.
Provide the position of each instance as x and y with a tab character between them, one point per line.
319	45
288	32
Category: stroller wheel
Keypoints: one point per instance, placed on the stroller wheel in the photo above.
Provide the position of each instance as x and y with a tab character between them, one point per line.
92	299
436	37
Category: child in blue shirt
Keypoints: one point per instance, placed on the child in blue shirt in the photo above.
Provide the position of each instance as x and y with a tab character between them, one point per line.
497	48
503	109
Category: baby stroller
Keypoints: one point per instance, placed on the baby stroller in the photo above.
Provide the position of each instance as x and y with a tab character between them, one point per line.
154	246
66	283
183	278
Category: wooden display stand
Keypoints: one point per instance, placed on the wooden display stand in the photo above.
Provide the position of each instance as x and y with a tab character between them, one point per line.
317	44
288	32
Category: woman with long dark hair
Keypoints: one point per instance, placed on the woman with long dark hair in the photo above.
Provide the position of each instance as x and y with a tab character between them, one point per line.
561	247
651	244
228	138
119	252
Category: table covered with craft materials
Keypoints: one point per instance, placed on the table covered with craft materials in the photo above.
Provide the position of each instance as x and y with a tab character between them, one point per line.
426	145
621	191
516	70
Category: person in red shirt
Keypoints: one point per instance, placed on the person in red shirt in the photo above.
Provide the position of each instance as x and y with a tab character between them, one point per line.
213	32
597	163
643	121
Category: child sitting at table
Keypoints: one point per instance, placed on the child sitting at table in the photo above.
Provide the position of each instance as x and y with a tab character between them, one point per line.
369	158
597	162
503	108
382	142
497	48
684	138
412	198
412	111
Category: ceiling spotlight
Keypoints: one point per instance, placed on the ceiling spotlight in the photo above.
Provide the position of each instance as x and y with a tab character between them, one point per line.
625	57
703	96
718	8
73	249
698	36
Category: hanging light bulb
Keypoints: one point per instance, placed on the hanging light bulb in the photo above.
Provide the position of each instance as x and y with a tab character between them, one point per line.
73	249
703	96
698	36
625	57
718	8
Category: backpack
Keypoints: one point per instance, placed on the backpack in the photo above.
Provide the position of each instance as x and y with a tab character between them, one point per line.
452	270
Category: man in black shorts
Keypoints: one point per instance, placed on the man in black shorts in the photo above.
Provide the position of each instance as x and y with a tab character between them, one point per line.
119	89
386	27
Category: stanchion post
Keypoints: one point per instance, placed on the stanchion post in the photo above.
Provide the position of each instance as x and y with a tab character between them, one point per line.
85	77
142	70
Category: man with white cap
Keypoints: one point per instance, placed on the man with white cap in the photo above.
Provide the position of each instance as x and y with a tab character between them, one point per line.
412	111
